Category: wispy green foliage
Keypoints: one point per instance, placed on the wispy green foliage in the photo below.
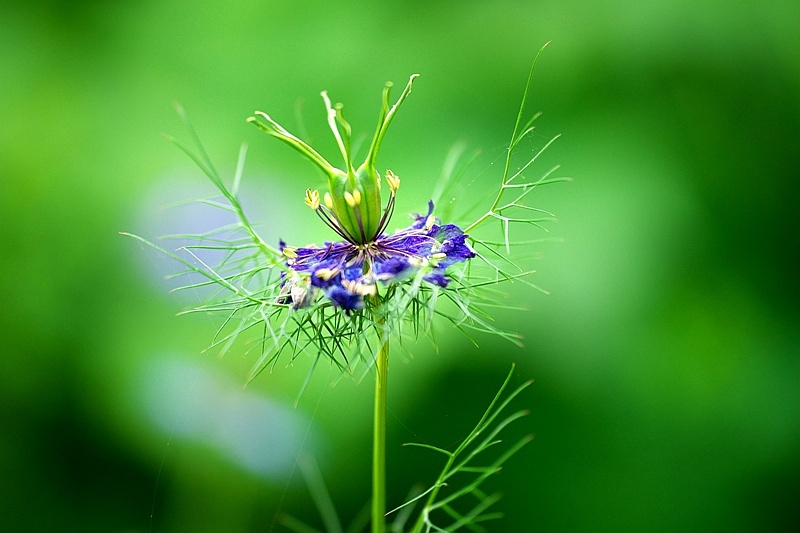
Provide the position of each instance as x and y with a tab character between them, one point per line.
456	501
510	206
255	290
246	288
248	284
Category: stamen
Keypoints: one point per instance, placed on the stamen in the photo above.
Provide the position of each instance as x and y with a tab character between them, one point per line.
290	252
326	273
357	196
387	216
418	262
362	289
312	199
331	221
358	220
350	199
393	181
328	200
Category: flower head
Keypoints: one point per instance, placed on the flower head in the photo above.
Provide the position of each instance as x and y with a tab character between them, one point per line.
351	296
346	273
349	271
367	284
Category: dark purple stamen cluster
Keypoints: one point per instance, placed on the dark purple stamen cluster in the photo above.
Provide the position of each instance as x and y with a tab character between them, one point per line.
346	273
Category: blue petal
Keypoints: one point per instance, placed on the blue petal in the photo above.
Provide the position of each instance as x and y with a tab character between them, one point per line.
323	282
445	232
456	251
392	265
410	241
354	272
437	277
419	220
341	297
393	269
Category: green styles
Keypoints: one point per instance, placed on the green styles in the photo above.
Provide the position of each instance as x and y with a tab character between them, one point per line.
353	200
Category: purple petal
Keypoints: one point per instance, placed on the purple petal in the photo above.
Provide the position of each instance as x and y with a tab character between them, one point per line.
323	281
419	220
392	265
393	269
341	297
354	272
446	232
437	277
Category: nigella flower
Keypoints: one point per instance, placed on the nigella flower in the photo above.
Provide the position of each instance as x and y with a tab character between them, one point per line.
350	271
366	283
346	272
351	298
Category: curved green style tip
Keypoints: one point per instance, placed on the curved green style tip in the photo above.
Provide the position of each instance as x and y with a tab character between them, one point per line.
352	206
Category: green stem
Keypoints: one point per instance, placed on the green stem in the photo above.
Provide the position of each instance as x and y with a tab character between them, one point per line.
379	437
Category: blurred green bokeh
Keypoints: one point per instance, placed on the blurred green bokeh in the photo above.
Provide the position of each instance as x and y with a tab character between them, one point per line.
666	359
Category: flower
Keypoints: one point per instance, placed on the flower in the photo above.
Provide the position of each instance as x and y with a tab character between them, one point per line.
386	284
347	272
373	286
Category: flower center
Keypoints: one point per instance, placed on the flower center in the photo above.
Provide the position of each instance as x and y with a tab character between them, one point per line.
350	217
352	207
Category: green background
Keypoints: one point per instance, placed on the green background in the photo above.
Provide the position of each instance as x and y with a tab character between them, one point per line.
665	358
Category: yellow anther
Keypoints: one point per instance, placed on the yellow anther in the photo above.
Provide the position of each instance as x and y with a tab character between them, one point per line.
393	181
418	262
349	198
290	252
328	200
326	273
357	196
438	255
362	289
312	199
429	222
